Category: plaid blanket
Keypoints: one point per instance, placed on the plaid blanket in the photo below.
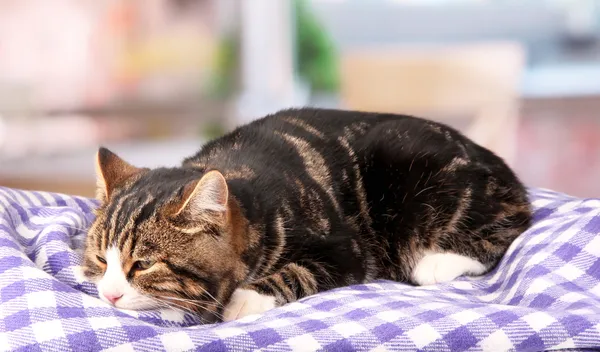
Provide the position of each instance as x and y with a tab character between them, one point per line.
545	294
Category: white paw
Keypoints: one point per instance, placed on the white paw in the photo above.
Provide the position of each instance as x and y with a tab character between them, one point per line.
247	302
435	268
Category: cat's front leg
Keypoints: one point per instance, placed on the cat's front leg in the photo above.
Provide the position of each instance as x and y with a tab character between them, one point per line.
289	284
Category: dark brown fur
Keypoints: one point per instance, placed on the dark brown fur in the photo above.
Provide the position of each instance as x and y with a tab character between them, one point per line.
314	199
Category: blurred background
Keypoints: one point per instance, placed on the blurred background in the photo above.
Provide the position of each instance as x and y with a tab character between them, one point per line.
155	79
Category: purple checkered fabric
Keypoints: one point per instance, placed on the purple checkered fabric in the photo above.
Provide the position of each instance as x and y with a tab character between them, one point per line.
545	294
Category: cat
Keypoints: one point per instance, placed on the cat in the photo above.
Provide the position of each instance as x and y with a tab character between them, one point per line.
300	202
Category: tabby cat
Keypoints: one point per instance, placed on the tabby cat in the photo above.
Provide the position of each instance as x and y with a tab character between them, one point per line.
299	202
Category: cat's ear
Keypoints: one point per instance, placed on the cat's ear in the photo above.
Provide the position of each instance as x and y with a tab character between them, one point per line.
208	194
111	171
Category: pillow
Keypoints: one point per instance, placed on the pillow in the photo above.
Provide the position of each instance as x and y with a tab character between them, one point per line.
545	294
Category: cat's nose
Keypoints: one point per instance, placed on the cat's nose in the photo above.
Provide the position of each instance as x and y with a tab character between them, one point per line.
113	298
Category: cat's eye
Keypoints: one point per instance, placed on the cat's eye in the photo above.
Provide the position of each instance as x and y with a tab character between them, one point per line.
142	265
100	259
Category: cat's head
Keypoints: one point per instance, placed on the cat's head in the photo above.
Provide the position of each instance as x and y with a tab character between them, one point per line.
164	238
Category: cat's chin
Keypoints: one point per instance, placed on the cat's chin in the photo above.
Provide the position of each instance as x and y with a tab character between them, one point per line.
137	303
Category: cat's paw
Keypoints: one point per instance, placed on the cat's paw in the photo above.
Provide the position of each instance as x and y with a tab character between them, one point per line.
436	268
246	302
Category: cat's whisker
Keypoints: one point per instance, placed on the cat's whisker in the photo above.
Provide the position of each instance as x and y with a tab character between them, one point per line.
197	304
143	299
201	305
216	302
189	300
211	296
176	308
163	304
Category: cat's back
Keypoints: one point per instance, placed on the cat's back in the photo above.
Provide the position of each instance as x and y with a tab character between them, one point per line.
277	140
312	124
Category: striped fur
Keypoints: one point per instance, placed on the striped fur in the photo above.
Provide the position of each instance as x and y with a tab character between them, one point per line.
304	201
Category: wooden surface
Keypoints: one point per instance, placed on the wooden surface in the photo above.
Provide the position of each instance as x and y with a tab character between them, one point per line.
74	172
66	186
477	80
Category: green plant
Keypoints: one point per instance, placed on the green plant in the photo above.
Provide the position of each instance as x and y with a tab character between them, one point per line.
226	65
317	60
316	57
212	130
